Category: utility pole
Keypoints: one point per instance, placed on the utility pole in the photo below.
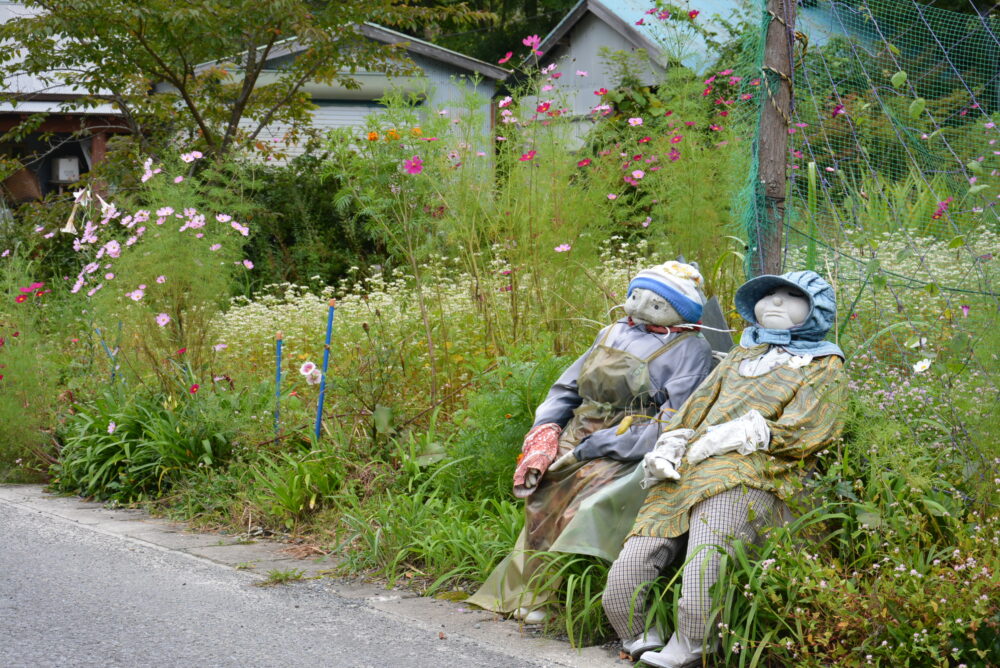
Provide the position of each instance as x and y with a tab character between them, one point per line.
772	149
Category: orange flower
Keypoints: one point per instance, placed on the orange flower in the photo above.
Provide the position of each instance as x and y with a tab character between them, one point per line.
372	136
416	132
392	134
519	458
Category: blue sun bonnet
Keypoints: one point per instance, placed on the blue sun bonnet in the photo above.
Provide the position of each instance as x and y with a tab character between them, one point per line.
804	339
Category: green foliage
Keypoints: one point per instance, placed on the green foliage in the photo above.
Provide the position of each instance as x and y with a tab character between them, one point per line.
31	363
293	485
129	447
277	576
491	428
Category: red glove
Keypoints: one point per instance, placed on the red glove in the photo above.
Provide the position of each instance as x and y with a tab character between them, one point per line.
541	446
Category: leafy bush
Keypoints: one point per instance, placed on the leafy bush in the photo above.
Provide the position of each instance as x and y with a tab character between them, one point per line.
132	447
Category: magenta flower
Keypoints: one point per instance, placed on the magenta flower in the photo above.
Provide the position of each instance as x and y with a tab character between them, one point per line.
507	56
528	156
965	310
533	42
562	248
414	165
676	139
162	319
693	14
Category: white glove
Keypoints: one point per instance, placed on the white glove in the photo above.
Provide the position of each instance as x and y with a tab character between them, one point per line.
662	461
744	435
565	460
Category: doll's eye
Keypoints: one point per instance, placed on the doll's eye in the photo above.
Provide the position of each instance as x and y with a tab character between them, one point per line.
656	307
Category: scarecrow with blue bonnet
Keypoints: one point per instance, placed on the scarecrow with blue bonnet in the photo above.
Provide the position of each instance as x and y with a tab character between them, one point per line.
579	471
728	459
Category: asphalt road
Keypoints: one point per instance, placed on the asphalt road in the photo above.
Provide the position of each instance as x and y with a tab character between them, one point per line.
70	596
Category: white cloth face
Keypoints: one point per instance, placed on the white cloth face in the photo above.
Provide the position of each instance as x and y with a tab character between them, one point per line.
782	308
645	307
744	435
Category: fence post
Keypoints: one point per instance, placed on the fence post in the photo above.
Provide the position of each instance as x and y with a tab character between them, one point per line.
767	243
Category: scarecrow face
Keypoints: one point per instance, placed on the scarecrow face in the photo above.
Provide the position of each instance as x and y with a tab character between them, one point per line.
782	308
645	307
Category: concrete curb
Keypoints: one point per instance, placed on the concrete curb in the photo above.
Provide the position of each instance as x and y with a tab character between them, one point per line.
258	557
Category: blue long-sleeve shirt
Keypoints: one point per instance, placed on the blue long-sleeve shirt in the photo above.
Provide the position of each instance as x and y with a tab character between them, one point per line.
674	375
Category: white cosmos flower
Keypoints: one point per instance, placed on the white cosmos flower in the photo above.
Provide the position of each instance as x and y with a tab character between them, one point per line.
922	366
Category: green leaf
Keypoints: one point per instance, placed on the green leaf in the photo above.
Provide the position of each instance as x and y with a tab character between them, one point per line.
917	107
873	520
975	166
979	188
957	242
932	289
898	79
383	419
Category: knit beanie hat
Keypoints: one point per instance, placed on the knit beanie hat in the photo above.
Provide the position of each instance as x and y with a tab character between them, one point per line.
678	283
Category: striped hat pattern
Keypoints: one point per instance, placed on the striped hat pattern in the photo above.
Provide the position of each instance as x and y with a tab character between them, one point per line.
678	283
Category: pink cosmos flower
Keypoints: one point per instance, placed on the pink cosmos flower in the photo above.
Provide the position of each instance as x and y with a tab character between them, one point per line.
109	276
634	122
214	247
640	22
307	368
161	279
612	196
645	139
543	107
414	165
582	73
839	109
601	91
676	139
638	174
965	310
674	155
527	156
162	319
533	42
693	14
584	162
547	87
646	222
507	56
504	102
219	346
223	218
562	248
248	264
5	253
178	179
111	427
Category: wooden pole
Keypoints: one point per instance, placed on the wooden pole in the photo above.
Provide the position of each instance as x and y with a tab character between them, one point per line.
775	120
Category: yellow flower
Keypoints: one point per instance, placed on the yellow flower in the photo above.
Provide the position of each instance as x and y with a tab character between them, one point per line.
416	132
372	136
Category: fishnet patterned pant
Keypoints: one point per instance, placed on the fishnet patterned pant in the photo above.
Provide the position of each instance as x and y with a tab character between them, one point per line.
715	524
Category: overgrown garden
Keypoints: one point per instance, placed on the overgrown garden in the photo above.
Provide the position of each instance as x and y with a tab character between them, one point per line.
139	318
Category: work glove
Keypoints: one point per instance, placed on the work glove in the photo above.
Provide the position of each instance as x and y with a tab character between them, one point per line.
662	461
747	433
541	445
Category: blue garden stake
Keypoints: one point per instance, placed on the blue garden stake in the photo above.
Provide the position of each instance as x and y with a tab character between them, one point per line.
277	385
107	350
326	362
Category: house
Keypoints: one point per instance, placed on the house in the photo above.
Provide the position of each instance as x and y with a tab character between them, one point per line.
593	26
67	144
445	77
